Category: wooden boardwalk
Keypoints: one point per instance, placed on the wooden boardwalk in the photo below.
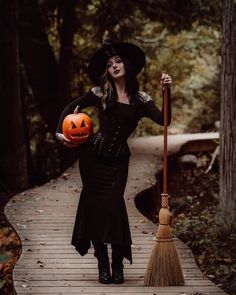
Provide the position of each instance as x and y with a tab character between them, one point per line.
44	217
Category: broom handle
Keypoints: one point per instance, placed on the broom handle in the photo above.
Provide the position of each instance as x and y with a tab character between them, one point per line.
165	140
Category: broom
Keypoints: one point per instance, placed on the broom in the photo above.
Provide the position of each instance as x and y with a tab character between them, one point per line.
164	266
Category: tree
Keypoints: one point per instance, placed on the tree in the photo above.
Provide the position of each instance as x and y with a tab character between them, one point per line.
67	14
41	67
228	115
49	79
13	155
178	15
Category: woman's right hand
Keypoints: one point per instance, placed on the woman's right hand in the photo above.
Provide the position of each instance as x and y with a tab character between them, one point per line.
66	142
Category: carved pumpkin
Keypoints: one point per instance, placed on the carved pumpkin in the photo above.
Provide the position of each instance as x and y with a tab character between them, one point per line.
77	127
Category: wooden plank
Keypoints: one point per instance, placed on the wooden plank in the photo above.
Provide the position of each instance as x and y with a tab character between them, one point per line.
129	293
90	258
121	289
137	262
67	243
78	265
47	227
190	279
20	273
94	281
115	293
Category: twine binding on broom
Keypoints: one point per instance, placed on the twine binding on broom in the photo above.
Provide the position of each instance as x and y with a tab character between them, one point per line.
164	267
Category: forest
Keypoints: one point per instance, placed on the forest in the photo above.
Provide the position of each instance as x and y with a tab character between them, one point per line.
45	49
47	68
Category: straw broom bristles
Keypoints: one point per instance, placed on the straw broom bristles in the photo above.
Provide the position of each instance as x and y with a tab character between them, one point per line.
164	266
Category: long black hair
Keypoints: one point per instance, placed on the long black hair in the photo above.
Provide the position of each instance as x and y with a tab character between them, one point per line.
131	86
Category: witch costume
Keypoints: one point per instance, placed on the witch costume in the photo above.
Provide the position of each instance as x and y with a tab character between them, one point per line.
101	216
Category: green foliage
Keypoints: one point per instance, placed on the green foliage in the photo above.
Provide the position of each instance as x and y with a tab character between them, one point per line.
192	58
4	257
179	15
2	283
191	54
212	242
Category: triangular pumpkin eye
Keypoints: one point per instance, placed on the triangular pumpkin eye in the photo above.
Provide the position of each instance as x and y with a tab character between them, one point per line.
73	126
83	124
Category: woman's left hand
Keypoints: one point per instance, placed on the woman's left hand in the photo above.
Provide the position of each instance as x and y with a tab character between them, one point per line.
166	80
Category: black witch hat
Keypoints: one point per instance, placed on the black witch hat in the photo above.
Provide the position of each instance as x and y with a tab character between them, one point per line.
109	48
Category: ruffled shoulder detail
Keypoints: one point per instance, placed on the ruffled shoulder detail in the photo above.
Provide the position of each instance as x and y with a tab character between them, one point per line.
97	91
144	97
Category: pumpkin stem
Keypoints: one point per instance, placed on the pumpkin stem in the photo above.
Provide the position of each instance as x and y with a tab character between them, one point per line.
76	110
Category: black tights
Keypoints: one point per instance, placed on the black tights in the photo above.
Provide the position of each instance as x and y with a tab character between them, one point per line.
102	254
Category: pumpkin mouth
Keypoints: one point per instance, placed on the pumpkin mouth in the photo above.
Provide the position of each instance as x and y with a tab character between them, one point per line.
80	135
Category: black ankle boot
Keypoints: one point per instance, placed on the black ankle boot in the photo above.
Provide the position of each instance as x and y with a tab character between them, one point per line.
104	275
117	265
103	263
117	274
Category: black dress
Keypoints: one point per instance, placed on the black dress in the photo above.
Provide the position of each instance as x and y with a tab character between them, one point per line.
103	163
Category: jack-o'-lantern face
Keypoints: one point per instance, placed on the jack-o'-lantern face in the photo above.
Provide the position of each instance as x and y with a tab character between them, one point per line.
77	127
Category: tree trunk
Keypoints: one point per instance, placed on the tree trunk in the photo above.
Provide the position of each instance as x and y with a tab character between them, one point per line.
67	14
13	159
49	80
228	116
40	64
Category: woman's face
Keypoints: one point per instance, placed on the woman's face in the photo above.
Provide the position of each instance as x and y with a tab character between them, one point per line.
115	67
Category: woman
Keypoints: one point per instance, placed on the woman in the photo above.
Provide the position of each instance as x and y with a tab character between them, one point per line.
101	216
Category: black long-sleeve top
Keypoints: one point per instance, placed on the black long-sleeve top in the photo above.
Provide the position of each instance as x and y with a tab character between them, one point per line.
115	125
